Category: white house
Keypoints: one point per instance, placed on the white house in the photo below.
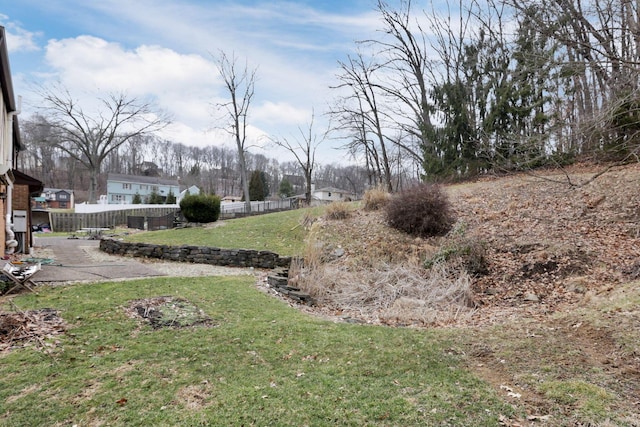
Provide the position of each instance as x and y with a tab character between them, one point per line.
332	194
123	188
193	190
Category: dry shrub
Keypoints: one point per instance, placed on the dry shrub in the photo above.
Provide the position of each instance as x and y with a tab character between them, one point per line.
375	199
337	210
423	210
462	253
312	253
392	294
307	220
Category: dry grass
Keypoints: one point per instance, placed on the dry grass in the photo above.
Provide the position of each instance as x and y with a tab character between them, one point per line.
379	277
390	294
338	210
375	199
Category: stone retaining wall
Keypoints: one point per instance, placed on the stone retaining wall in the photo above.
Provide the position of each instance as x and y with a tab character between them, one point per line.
197	254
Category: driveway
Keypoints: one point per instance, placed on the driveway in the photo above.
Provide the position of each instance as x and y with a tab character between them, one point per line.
72	261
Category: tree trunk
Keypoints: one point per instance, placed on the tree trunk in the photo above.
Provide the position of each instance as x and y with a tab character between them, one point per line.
93	185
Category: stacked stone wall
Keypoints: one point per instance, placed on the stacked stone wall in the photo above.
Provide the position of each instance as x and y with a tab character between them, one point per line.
197	254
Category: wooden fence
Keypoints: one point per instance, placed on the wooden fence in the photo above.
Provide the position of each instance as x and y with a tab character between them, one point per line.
152	223
68	222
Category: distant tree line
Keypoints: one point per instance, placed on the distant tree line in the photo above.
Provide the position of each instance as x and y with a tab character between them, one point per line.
214	169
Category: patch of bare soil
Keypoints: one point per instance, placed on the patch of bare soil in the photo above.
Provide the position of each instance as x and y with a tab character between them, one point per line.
553	248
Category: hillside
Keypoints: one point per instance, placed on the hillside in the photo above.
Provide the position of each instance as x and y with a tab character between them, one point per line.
549	240
551	312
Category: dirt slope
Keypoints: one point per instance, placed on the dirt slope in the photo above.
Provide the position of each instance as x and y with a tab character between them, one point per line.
557	302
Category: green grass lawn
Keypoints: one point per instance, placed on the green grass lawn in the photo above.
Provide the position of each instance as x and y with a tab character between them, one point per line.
279	232
260	363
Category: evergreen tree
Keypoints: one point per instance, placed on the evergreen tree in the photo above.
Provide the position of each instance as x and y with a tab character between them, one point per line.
171	198
136	199
155	199
265	184
257	186
286	189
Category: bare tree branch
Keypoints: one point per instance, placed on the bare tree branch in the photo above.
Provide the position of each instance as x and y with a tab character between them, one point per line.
303	149
91	138
240	86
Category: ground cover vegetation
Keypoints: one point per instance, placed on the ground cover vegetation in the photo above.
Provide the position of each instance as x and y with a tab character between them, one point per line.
534	275
533	291
282	233
539	270
238	365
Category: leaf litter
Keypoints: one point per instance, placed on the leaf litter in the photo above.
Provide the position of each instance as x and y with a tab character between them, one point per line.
168	312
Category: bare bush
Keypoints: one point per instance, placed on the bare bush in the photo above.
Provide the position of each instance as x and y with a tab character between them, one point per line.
375	199
423	210
307	220
399	294
337	210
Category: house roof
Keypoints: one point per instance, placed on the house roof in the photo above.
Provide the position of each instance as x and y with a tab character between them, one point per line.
7	88
137	179
57	190
331	190
35	186
190	189
5	73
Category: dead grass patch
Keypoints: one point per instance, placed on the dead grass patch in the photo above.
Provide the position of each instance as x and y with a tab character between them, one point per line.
392	294
375	199
337	210
24	392
195	397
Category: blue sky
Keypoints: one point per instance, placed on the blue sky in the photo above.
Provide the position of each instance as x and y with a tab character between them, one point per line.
163	49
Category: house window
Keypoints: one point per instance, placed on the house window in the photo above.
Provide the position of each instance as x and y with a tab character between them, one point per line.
154	188
329	194
126	186
144	187
62	196
117	197
63	205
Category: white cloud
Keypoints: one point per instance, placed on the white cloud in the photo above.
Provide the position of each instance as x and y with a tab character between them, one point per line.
280	113
183	85
96	62
19	39
162	49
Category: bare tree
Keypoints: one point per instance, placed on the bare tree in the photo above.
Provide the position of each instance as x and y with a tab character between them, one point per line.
90	138
600	50
303	149
40	155
407	62
240	85
360	110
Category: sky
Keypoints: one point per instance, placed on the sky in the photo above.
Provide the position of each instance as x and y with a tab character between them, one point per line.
165	50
